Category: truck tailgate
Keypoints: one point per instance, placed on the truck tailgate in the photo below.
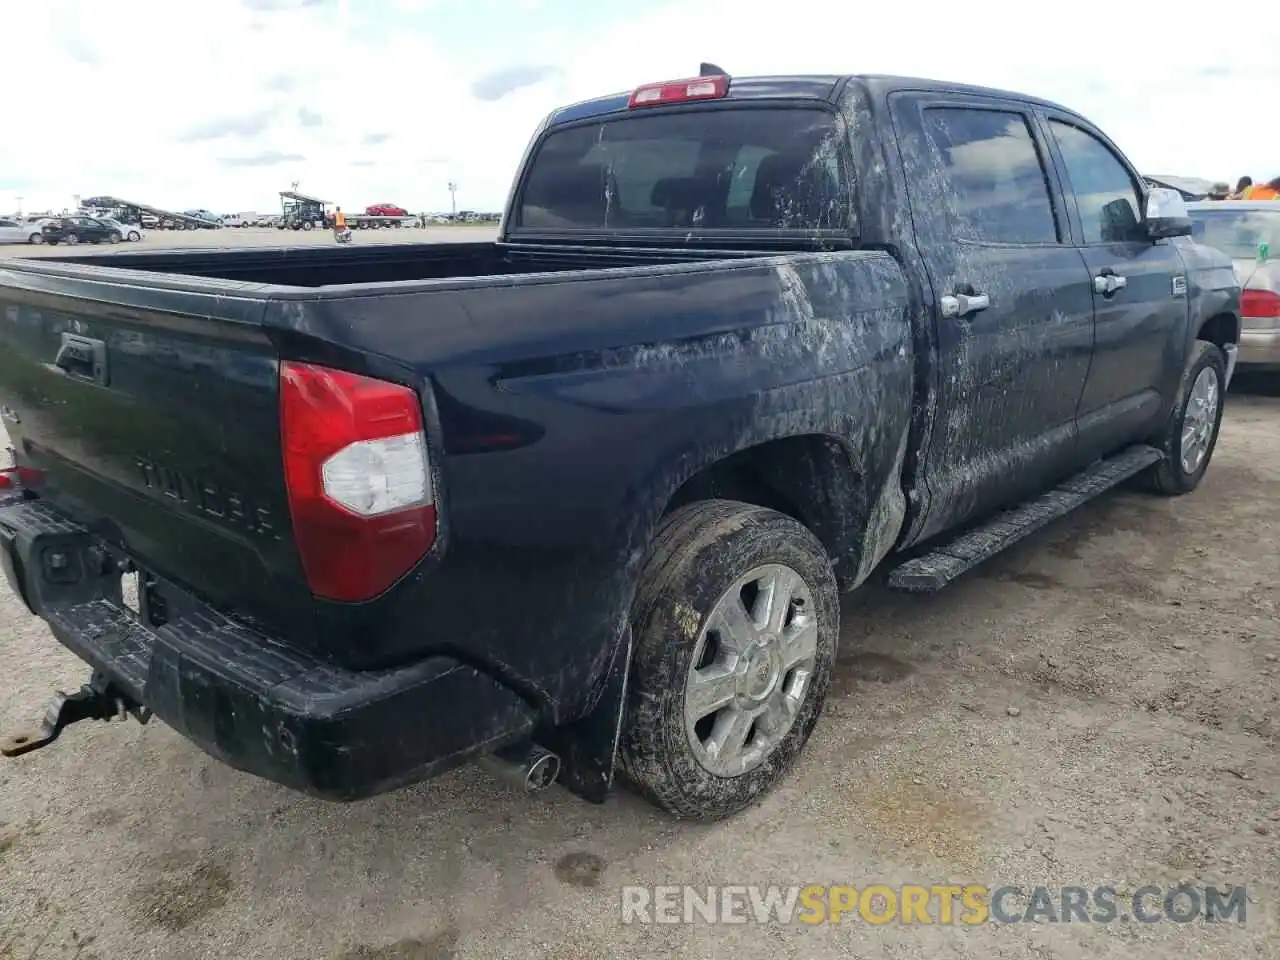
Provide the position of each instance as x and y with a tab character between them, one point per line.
151	415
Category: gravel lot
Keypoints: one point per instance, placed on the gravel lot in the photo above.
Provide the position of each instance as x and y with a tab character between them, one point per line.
256	237
1097	705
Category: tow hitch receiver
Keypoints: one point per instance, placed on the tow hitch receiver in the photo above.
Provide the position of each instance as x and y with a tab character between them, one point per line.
98	699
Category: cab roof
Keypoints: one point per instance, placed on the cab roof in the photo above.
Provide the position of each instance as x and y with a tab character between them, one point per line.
817	87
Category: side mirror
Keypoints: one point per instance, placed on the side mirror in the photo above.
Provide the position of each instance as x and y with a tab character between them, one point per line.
1166	215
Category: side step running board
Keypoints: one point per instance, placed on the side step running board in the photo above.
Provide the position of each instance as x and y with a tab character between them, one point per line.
936	569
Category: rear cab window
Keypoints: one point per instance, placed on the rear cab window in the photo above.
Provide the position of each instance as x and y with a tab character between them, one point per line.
731	168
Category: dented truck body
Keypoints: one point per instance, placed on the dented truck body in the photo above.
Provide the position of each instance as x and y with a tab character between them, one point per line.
873	366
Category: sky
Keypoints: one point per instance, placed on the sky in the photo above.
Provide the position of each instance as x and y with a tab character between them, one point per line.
220	104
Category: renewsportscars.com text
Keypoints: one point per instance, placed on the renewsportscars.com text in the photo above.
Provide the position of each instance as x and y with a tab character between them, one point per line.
942	904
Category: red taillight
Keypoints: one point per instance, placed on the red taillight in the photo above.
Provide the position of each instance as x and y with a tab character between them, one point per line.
678	91
13	479
358	478
1259	303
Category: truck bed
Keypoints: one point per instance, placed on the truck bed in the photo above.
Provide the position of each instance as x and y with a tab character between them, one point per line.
312	266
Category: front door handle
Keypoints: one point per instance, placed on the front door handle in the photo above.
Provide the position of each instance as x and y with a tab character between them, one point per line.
1108	283
963	304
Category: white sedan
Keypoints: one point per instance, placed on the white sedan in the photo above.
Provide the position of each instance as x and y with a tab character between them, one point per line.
20	231
130	231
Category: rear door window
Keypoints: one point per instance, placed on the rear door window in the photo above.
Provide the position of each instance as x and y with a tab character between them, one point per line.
998	191
720	169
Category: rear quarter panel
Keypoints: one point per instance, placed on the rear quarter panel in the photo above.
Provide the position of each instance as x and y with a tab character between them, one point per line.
1213	288
571	409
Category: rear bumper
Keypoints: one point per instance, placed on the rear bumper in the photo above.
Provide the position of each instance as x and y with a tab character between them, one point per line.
1259	346
247	700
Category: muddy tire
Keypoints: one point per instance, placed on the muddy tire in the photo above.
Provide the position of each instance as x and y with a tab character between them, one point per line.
1191	436
735	622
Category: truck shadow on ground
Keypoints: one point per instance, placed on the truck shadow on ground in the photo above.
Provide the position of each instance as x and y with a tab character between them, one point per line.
464	846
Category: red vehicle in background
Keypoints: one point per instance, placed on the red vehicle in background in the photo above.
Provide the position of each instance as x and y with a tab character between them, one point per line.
385	210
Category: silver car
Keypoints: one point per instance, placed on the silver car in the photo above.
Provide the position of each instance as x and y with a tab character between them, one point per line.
1249	233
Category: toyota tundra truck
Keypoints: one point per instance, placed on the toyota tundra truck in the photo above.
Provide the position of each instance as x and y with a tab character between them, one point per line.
584	500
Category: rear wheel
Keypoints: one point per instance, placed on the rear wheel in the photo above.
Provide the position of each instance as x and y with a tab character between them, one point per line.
36	238
1192	433
735	622
307	225
134	236
114	238
71	238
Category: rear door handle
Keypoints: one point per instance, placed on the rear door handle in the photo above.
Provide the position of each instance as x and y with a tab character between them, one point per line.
1108	283
963	304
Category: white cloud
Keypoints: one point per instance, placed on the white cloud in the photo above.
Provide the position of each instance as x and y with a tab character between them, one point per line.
397	115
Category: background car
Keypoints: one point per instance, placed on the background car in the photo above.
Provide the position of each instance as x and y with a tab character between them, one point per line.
1249	233
205	215
1191	188
13	230
385	210
130	231
79	230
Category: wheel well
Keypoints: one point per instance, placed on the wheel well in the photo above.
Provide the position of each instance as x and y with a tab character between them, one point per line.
809	478
1220	330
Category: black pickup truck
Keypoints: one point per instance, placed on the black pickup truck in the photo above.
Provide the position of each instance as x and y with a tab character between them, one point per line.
584	499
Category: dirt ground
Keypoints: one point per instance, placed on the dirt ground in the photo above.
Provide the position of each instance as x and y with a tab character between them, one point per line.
1097	705
256	237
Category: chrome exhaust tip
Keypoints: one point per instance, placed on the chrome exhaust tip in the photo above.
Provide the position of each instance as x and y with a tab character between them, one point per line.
525	766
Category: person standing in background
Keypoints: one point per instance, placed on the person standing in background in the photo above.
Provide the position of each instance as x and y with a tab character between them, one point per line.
1264	191
1243	184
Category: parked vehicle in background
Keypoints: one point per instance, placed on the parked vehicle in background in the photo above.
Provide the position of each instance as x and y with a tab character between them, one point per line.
130	231
267	220
240	219
586	498
367	221
72	230
205	215
1191	188
150	221
385	210
34	225
300	211
13	230
1248	231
